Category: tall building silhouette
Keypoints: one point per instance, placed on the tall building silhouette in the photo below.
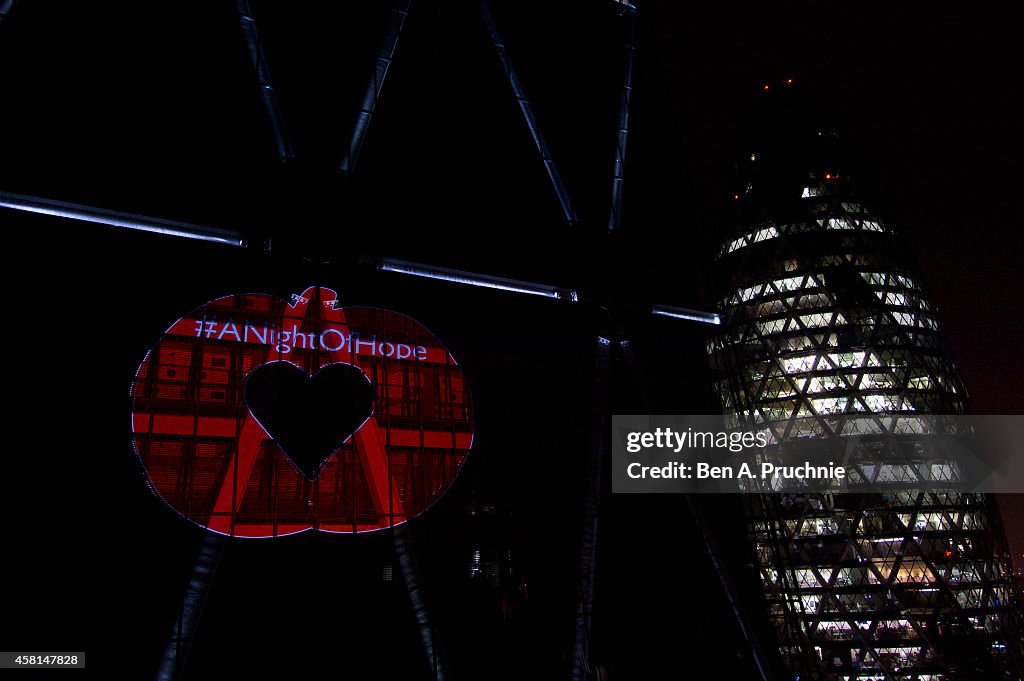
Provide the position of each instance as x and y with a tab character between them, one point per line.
825	318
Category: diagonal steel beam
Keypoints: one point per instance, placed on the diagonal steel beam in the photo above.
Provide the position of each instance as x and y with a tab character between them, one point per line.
686	313
175	655
429	634
5	9
102	216
531	121
622	134
385	56
474	279
282	142
711	543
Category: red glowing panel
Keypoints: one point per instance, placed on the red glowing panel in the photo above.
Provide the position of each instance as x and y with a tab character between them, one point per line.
259	417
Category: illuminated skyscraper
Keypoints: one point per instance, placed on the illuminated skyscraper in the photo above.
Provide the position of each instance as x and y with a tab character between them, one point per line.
824	315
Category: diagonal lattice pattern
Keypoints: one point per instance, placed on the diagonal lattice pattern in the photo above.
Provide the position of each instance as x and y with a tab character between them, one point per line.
823	317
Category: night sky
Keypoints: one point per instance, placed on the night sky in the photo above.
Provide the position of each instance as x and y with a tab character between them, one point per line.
153	109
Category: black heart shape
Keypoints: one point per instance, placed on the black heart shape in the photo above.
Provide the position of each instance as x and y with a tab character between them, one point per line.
309	417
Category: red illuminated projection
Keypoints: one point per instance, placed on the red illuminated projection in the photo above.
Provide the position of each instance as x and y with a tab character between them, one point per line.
259	417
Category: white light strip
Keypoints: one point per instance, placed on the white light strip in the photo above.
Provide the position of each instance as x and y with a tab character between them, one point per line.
684	313
74	211
481	280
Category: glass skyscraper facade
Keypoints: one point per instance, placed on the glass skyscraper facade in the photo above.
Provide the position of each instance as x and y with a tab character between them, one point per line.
826	321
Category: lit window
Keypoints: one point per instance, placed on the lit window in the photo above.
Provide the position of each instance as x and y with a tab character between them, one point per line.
794	365
839	223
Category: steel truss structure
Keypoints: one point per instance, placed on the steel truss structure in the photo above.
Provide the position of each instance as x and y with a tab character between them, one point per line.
824	320
176	652
820	314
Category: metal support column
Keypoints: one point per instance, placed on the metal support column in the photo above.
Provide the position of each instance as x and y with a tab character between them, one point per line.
581	668
622	134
